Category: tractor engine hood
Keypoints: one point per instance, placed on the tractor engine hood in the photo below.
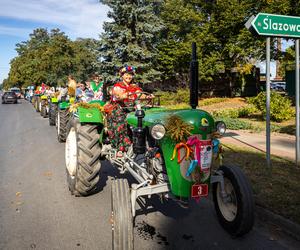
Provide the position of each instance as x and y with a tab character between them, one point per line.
202	121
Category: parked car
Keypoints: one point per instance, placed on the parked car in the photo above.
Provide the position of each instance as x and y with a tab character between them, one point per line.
273	85
280	86
9	97
17	92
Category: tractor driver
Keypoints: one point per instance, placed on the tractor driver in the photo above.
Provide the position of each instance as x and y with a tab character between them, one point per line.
122	93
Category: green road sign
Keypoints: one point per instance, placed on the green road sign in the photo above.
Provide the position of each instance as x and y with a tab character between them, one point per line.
276	25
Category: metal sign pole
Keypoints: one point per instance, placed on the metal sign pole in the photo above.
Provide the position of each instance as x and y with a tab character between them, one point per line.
297	103
268	131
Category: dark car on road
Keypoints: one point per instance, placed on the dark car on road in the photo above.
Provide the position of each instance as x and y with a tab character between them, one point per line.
17	92
9	97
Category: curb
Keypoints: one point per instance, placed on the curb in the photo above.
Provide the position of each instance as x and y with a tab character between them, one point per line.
290	227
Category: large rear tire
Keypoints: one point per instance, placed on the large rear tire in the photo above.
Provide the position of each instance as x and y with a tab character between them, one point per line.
121	216
40	105
82	158
236	214
62	124
52	114
43	109
37	104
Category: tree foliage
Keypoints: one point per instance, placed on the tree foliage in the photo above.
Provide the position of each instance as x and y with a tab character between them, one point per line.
131	37
50	57
224	44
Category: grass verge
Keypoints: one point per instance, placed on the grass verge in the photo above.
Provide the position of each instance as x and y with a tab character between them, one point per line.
277	191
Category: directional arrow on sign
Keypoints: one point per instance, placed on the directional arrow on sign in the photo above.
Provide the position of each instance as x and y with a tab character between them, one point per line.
275	25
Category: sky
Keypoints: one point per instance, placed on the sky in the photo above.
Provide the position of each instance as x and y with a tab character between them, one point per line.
18	18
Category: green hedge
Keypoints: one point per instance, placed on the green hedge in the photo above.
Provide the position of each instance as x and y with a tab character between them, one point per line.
235	123
247	111
226	113
209	101
183	96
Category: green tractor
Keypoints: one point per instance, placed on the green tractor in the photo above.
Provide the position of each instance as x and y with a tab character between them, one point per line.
151	160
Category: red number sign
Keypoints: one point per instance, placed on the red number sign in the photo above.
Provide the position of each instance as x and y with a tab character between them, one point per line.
199	190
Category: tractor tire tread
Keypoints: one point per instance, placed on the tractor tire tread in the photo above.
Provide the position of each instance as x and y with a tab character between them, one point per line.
122	215
88	159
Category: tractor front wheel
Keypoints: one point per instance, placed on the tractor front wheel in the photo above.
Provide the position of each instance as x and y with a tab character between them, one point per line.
235	211
82	154
121	216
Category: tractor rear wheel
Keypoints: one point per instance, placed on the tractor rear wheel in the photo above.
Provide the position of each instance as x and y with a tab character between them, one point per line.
52	114
37	104
62	124
121	216
236	211
82	154
40	105
43	110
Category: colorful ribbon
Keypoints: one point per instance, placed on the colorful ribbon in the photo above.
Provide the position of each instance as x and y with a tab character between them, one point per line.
177	150
194	141
191	168
215	144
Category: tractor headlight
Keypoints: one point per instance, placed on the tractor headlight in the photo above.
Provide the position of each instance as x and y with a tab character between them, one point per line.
158	131
221	127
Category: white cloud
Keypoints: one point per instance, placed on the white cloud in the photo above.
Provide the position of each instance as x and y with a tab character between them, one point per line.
12	31
78	18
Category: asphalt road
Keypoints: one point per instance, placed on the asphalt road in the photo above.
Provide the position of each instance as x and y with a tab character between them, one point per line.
37	211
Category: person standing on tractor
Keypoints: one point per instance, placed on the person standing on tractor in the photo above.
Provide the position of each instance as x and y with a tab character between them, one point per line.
71	86
81	88
97	86
123	93
83	94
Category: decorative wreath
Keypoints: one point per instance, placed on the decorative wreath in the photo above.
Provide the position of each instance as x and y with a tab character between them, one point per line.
177	128
127	69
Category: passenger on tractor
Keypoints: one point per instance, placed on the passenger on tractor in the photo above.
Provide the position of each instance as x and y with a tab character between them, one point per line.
71	86
83	94
63	92
96	85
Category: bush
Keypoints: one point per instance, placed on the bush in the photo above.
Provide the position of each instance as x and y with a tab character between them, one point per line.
234	123
226	113
280	106
178	106
247	111
170	98
210	101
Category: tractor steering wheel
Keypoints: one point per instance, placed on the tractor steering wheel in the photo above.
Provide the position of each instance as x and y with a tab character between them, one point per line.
142	96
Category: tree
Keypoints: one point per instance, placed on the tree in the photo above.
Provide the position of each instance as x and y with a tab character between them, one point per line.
85	58
131	37
50	57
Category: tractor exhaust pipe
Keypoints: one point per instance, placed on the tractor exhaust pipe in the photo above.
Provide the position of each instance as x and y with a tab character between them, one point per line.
194	78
